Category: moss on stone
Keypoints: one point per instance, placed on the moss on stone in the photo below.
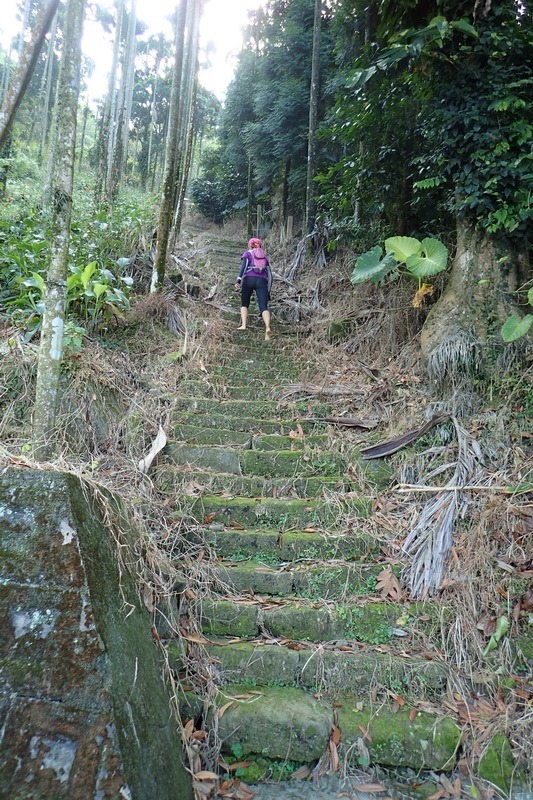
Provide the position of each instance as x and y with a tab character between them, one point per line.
496	764
301	724
224	618
425	742
208	458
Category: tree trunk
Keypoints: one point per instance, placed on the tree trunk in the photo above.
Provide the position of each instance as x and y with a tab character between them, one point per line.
51	344
171	159
105	129
27	63
313	116
463	328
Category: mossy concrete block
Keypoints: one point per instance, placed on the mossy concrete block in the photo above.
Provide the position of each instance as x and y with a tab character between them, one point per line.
276	442
340	673
261	664
372	622
291	463
233	544
225	618
335	581
218	459
280	722
426	742
197	434
256	577
496	764
299	544
258	512
296	621
377	472
86	710
257	409
247	424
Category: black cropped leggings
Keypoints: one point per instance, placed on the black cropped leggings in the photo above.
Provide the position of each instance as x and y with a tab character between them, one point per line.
260	285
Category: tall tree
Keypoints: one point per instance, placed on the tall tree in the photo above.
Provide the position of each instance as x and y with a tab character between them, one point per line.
51	344
171	160
313	116
25	69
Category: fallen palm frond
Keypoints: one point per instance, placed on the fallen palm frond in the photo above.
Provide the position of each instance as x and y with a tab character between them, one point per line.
393	445
430	542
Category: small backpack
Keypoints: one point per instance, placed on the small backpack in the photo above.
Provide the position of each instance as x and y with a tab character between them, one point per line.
259	260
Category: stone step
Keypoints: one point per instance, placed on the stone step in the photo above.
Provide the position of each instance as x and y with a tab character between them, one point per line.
244	371
199	435
253	390
245	719
271	512
260	409
182	480
328	670
245	424
335	581
376	623
286	546
259	463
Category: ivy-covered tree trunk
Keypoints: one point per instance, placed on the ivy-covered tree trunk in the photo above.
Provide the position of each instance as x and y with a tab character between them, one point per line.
51	345
461	336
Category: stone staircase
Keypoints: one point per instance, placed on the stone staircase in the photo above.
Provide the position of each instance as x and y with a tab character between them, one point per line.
311	662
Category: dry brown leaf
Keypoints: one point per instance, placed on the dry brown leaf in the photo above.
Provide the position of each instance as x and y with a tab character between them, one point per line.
224	708
336	735
209	518
365	733
334	756
205	775
436	795
388	584
412	715
197	638
188	730
237	765
301	774
371	788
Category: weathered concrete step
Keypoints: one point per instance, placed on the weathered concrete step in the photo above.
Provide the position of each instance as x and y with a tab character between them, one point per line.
245	424
302	620
238	370
271	512
260	409
335	581
286	546
303	725
260	463
198	434
254	390
180	480
326	669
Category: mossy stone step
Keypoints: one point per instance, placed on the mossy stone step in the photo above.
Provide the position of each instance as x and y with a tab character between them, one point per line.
236	371
258	409
303	725
177	480
265	512
198	434
330	671
302	620
287	546
278	442
255	390
283	463
245	424
292	462
332	582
